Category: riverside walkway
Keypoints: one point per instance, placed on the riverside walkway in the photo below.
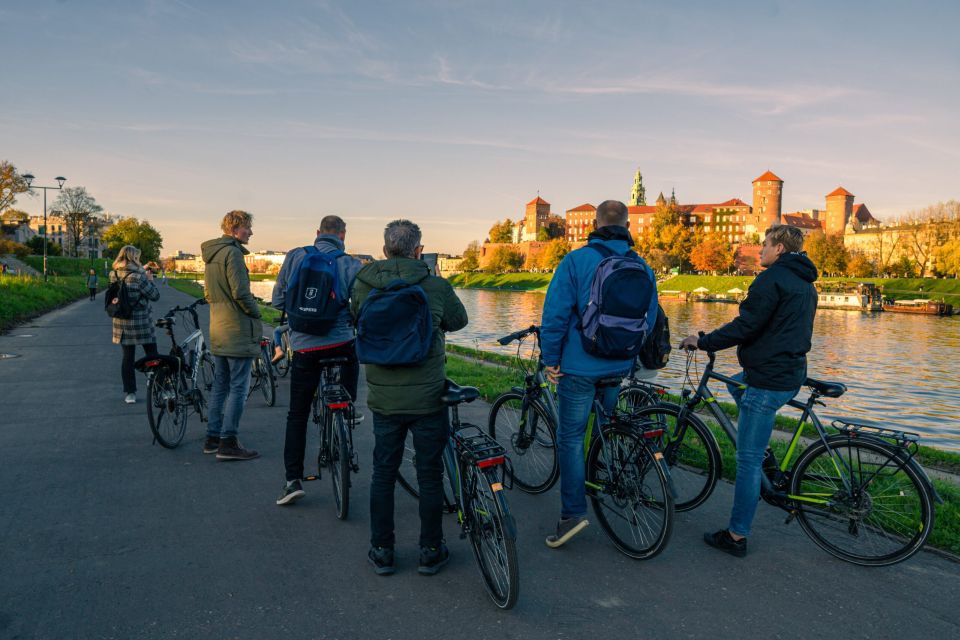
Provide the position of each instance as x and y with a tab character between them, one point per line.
104	536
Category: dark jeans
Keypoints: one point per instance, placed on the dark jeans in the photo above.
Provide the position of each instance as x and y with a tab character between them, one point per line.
93	292
127	374
430	434
304	378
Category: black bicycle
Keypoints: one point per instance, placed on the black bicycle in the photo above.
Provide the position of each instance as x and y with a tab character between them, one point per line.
333	413
261	373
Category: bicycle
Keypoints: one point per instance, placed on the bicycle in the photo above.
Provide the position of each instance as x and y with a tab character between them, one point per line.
858	493
261	373
176	382
333	413
283	365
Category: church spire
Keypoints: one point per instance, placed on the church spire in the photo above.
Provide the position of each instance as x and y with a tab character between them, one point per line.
673	197
638	195
661	200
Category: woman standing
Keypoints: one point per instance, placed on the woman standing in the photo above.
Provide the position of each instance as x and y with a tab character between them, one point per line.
138	329
92	283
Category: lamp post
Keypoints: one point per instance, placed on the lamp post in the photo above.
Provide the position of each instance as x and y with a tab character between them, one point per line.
60	180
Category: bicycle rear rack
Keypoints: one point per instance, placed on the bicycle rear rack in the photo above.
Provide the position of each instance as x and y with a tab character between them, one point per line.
478	448
853	429
647	427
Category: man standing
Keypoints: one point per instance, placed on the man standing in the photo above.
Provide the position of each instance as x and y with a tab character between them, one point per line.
568	362
407	398
332	340
235	331
772	334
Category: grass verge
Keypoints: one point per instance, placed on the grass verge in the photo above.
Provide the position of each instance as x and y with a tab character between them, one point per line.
23	297
506	281
268	314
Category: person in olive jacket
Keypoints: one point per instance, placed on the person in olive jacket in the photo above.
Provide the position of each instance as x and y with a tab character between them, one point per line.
235	331
773	334
407	398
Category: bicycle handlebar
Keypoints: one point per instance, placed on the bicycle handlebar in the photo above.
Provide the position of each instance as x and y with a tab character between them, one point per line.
191	309
519	335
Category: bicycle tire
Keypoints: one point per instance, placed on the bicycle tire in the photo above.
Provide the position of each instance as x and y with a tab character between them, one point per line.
283	364
207	373
492	536
694	459
533	459
166	409
628	485
890	505
340	464
407	476
268	384
635	398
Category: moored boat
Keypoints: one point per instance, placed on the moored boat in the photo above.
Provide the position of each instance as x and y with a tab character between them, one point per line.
920	306
853	296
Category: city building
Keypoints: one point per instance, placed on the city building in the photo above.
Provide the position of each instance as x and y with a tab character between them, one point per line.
767	202
580	222
638	194
91	240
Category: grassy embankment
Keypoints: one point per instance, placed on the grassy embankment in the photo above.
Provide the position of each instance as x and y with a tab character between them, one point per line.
505	281
188	286
494	373
24	297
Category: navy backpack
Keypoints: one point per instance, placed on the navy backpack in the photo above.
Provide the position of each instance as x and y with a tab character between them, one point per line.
314	296
394	326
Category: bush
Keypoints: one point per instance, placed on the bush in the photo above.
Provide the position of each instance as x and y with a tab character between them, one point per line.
21	251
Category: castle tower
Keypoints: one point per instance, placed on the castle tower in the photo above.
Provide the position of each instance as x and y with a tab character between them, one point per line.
673	197
839	210
638	195
767	201
538	210
661	201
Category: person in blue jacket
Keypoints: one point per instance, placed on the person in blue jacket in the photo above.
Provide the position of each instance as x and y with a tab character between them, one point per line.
574	370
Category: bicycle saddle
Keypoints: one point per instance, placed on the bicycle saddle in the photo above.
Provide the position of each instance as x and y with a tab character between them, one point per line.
455	394
164	323
826	389
613	381
332	362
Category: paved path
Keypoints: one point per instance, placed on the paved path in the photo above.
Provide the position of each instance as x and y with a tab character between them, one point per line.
104	536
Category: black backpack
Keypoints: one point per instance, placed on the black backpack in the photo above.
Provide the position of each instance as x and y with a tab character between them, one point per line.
394	326
655	352
117	302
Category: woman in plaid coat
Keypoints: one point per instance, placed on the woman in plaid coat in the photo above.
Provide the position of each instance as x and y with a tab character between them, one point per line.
138	329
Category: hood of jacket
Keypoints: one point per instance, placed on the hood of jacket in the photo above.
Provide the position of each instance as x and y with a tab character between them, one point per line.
211	248
612	232
381	273
798	264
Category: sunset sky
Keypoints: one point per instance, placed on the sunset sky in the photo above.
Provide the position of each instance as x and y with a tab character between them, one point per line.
456	113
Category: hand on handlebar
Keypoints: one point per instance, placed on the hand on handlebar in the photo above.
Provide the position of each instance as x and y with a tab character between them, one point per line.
689	343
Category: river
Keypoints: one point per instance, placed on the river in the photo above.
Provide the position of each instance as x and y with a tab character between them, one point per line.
898	368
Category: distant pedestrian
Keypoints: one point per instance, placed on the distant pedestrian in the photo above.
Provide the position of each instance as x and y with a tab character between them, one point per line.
3	268
138	329
235	330
91	283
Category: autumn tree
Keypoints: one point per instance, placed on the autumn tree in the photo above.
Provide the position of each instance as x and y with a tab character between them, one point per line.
713	254
78	209
504	259
948	258
12	184
827	253
904	268
502	232
139	234
554	253
860	266
471	257
669	234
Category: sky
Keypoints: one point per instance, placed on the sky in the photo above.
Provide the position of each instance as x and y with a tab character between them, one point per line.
455	114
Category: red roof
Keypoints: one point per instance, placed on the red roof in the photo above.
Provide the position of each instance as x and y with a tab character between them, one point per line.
839	191
641	209
734	202
538	200
768	177
861	213
801	221
584	207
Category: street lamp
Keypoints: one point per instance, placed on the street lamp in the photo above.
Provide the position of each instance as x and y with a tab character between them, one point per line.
60	180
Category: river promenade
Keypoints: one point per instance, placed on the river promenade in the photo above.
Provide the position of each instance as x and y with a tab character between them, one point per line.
104	536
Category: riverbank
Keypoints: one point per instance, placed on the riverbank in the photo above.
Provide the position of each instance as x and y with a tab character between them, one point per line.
268	314
24	297
526	281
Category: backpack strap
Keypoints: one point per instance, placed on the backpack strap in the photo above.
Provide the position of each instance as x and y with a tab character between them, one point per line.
602	249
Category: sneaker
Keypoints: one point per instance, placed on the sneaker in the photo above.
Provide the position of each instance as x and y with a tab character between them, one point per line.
231	449
211	444
358	418
382	560
432	559
724	541
130	398
566	529
292	491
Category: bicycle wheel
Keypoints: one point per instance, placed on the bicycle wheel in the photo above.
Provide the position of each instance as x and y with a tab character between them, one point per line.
340	464
283	364
865	504
634	398
529	439
629	492
693	456
268	384
166	409
492	535
205	379
407	476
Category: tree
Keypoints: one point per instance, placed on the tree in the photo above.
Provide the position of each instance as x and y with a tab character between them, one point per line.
36	247
17	249
904	268
543	235
502	231
77	208
471	257
139	234
948	258
660	261
859	266
505	259
553	253
827	253
669	234
11	185
713	255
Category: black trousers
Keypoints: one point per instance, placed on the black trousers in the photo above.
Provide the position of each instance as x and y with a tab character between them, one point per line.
304	378
430	435
93	292
127	374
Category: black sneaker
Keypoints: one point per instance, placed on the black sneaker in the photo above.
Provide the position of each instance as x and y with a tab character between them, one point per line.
382	560
211	444
724	541
231	449
292	491
566	529
432	559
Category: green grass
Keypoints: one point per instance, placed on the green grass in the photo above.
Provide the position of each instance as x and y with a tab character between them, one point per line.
23	297
491	379
716	284
63	266
508	281
268	314
899	288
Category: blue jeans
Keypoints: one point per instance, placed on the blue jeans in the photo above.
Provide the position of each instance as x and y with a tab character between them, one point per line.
758	411
231	382
576	394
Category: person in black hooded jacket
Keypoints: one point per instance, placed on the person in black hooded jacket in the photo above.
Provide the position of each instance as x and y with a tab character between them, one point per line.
773	335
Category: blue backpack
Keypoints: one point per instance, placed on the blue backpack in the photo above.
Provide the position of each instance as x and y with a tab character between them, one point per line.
394	326
614	324
314	295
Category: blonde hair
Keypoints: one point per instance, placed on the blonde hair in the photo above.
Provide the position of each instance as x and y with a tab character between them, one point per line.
127	255
234	219
790	237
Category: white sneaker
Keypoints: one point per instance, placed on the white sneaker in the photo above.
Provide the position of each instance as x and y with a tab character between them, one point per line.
131	398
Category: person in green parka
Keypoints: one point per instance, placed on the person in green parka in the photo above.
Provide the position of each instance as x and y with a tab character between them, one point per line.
235	331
